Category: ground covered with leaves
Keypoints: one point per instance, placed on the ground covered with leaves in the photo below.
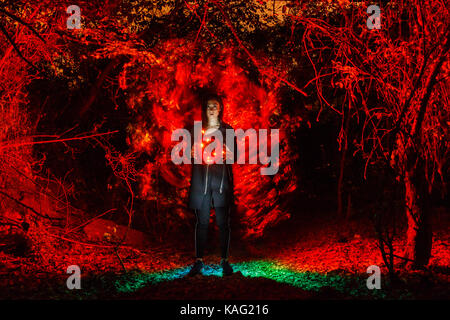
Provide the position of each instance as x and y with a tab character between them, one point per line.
313	258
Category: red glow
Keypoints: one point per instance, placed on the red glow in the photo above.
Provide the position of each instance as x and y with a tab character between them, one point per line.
182	67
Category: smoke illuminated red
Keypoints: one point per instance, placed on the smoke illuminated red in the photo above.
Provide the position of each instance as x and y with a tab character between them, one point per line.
170	102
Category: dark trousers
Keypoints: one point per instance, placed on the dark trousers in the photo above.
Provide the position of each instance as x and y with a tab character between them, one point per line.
201	228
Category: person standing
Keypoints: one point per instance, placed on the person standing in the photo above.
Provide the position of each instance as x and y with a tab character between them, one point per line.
212	187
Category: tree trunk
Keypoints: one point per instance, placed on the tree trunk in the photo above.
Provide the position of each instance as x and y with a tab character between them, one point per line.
340	186
419	235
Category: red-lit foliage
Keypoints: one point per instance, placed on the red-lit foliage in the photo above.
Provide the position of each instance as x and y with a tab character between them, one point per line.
33	201
28	199
394	82
160	85
396	86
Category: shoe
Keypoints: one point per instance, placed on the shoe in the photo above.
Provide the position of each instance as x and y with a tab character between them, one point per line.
226	267
196	268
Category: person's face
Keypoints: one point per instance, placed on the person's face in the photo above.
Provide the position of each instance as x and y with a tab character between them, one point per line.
213	109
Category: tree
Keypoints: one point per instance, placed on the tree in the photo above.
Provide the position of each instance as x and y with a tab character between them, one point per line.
396	85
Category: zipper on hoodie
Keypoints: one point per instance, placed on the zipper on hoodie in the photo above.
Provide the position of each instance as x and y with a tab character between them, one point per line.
206	178
223	174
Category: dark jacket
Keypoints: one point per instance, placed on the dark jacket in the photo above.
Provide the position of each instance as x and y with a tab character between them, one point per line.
214	178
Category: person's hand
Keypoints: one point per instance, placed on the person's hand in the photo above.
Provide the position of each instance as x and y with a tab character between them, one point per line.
194	155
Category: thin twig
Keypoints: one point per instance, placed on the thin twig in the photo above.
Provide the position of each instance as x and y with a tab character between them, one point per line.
6	145
28	207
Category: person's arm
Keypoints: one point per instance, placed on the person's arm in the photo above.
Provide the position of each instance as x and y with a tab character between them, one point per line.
190	154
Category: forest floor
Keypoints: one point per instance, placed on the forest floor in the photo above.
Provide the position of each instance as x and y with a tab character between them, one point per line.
309	258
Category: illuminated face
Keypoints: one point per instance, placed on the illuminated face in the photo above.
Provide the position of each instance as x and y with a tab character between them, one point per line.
213	109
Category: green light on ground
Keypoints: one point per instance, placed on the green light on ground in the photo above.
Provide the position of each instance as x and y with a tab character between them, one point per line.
306	280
